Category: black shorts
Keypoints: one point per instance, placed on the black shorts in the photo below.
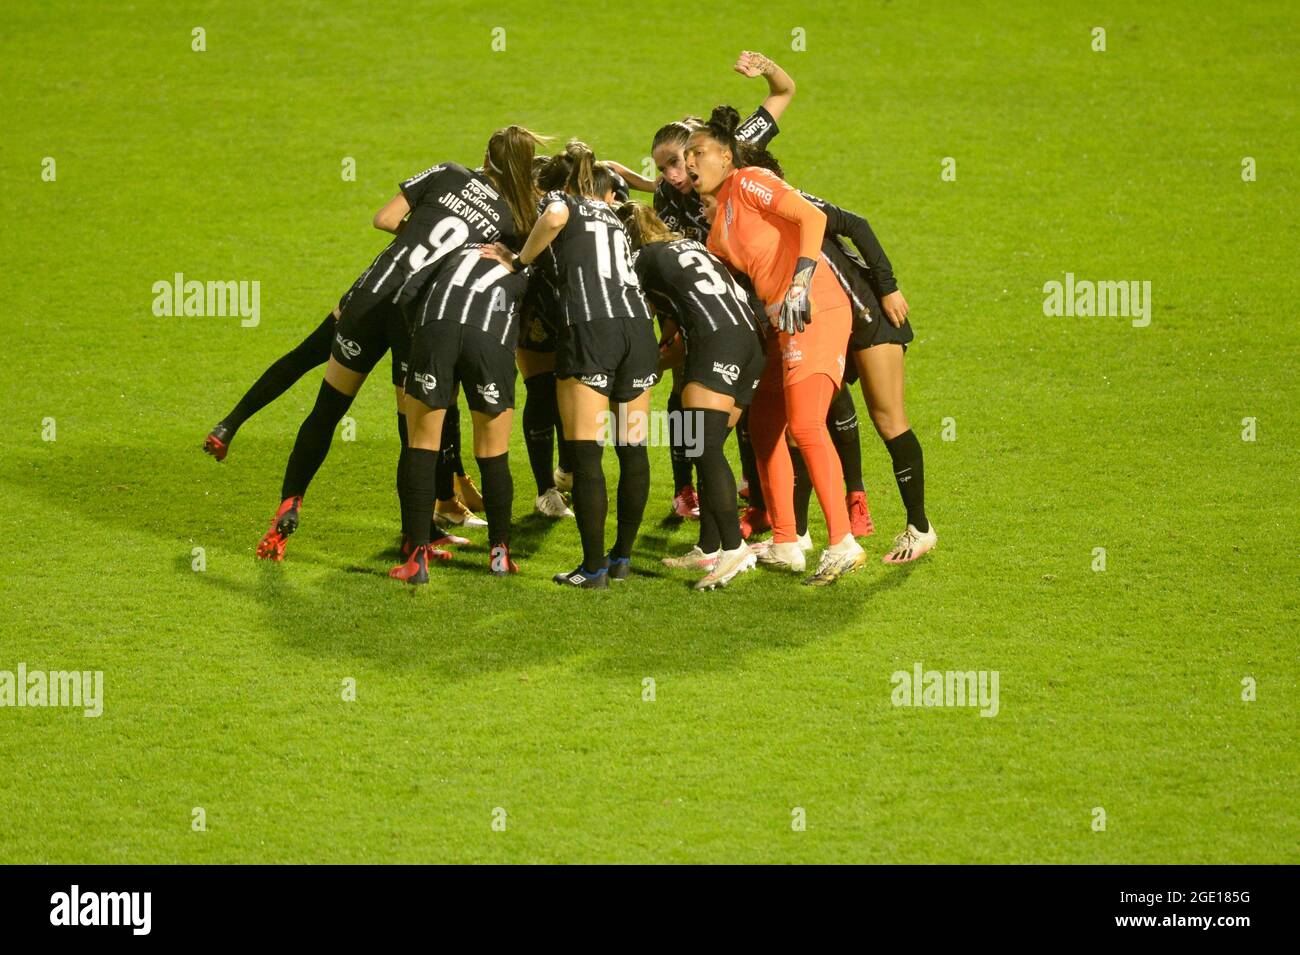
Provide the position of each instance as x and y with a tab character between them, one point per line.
536	335
618	357
446	354
875	329
729	361
370	324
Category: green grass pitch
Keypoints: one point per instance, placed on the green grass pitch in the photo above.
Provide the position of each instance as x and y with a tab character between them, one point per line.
1120	690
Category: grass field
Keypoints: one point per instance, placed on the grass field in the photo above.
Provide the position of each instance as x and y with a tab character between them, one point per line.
1120	689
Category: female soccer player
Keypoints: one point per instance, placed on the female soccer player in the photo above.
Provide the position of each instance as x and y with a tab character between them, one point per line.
435	213
607	359
678	205
877	348
725	358
467	325
766	229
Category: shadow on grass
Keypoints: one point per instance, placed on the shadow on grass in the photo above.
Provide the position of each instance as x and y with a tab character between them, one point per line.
465	622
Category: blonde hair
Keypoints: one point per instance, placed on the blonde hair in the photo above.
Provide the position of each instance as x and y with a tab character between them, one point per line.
643	225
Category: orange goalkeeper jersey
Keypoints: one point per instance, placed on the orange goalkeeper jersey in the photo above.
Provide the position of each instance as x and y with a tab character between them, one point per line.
748	234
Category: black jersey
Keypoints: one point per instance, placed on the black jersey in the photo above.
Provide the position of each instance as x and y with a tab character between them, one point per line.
451	206
683	212
594	263
477	292
684	278
865	273
543	301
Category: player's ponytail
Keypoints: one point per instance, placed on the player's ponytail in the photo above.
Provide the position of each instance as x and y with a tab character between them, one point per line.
721	126
642	225
582	175
509	166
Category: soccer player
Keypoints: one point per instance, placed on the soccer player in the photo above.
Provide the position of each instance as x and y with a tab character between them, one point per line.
434	214
877	348
725	357
541	318
679	206
607	359
766	229
466	327
878	344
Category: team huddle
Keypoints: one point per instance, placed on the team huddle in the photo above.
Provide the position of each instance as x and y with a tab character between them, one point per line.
761	303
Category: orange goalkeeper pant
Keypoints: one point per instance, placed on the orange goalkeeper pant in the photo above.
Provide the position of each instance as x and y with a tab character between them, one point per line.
802	408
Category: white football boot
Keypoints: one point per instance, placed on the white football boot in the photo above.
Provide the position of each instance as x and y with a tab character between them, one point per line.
729	564
838	560
910	545
787	556
693	559
551	504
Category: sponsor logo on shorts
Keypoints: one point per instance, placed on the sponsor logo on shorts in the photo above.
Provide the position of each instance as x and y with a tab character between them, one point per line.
488	392
349	348
426	381
728	373
792	354
756	381
646	382
839	360
847	424
595	381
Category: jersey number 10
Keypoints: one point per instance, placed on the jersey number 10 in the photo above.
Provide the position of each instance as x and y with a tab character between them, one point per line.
614	247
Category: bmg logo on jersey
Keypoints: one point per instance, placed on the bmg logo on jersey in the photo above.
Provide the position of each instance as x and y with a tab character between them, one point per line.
758	189
193	298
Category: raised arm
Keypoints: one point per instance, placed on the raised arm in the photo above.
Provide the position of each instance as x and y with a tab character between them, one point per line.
780	87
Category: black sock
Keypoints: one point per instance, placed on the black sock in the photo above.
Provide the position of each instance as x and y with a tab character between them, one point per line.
421	482
677	443
909	472
449	455
717	482
710	540
498	496
541	415
803	490
451	443
749	464
283	374
564	454
402	457
590	502
842	423
313	441
633	492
